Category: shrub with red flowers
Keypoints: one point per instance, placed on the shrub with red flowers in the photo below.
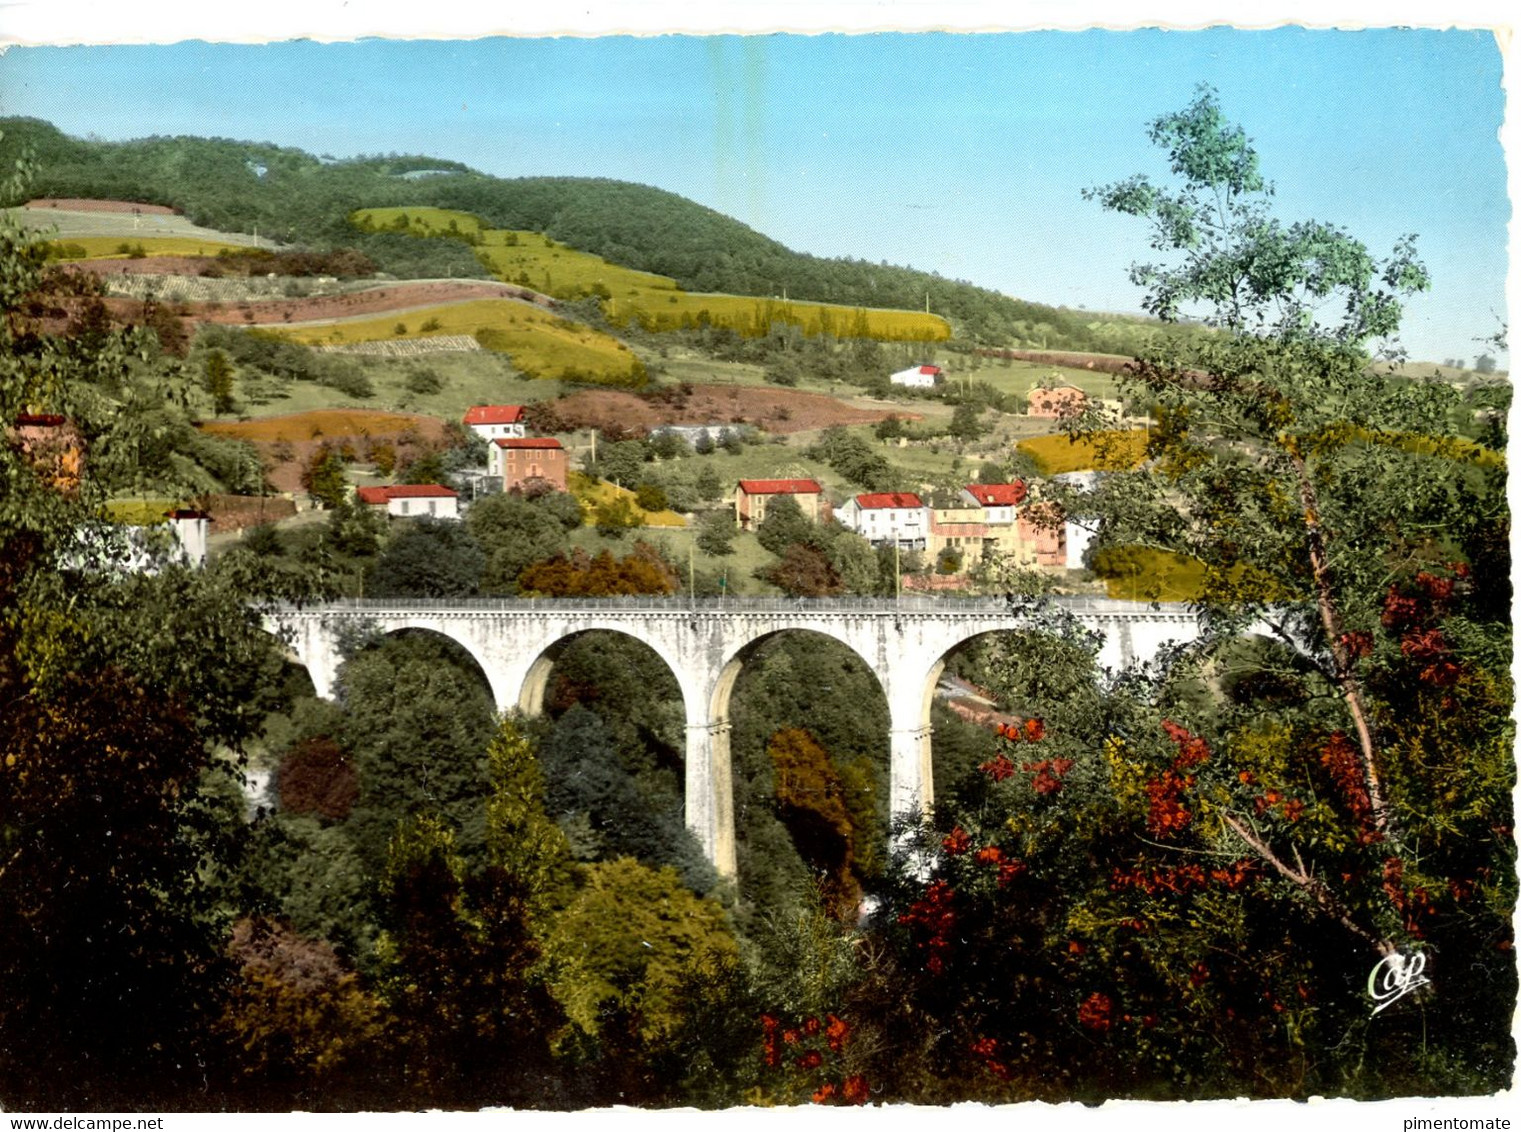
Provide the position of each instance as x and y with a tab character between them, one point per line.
809	1060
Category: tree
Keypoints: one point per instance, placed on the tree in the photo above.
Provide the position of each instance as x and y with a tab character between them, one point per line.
219	382
615	516
323	477
966	423
1326	499
635	934
1484	363
428	558
116	831
783	525
716	533
650	497
803	572
515	532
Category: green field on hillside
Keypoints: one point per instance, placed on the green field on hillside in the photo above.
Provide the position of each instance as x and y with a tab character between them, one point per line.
541	344
116	247
654	302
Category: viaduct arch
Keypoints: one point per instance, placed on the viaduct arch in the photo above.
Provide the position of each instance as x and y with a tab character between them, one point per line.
904	642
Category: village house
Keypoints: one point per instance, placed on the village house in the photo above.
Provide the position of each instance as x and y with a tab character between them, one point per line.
540	458
888	518
917	377
751	498
963	530
1041	536
496	422
999	500
1081	526
1020	529
1063	401
411	500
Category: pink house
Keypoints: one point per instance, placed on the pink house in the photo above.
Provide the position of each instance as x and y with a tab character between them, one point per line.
531	458
1063	401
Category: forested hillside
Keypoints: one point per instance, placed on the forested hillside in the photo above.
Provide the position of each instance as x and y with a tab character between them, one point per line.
294	196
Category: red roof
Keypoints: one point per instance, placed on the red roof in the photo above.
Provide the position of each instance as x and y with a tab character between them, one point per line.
493	414
998	494
46	420
528	442
405	491
888	499
930	370
780	487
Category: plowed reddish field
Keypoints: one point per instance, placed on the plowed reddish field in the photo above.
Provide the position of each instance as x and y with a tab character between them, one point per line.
77	204
286	441
357	304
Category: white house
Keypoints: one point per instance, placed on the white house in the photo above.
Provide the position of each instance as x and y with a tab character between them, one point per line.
887	517
411	500
133	543
1082	527
496	422
917	377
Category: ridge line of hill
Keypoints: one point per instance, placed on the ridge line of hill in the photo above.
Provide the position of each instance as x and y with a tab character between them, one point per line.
293	196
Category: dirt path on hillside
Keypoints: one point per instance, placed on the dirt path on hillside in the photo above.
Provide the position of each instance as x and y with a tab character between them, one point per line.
778	411
322	310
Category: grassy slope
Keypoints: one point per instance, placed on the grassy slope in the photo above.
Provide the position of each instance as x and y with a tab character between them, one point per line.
654	301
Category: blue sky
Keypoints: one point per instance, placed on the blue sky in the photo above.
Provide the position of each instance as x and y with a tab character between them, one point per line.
958	153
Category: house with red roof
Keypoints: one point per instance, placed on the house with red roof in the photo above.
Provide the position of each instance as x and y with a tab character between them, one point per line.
999	500
885	518
752	496
411	500
917	377
531	458
496	422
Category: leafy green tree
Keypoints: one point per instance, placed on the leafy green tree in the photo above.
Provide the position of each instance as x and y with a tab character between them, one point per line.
115	825
966	421
650	497
418	718
783	525
473	1018
635	940
515	532
1128	848
614	517
323	477
716	533
219	382
621	462
428	558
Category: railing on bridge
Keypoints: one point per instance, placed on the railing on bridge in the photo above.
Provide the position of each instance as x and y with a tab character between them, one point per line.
979	606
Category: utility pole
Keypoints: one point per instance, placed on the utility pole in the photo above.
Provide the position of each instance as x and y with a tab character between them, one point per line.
692	570
897	571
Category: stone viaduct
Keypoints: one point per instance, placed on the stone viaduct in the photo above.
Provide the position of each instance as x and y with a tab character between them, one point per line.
705	643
